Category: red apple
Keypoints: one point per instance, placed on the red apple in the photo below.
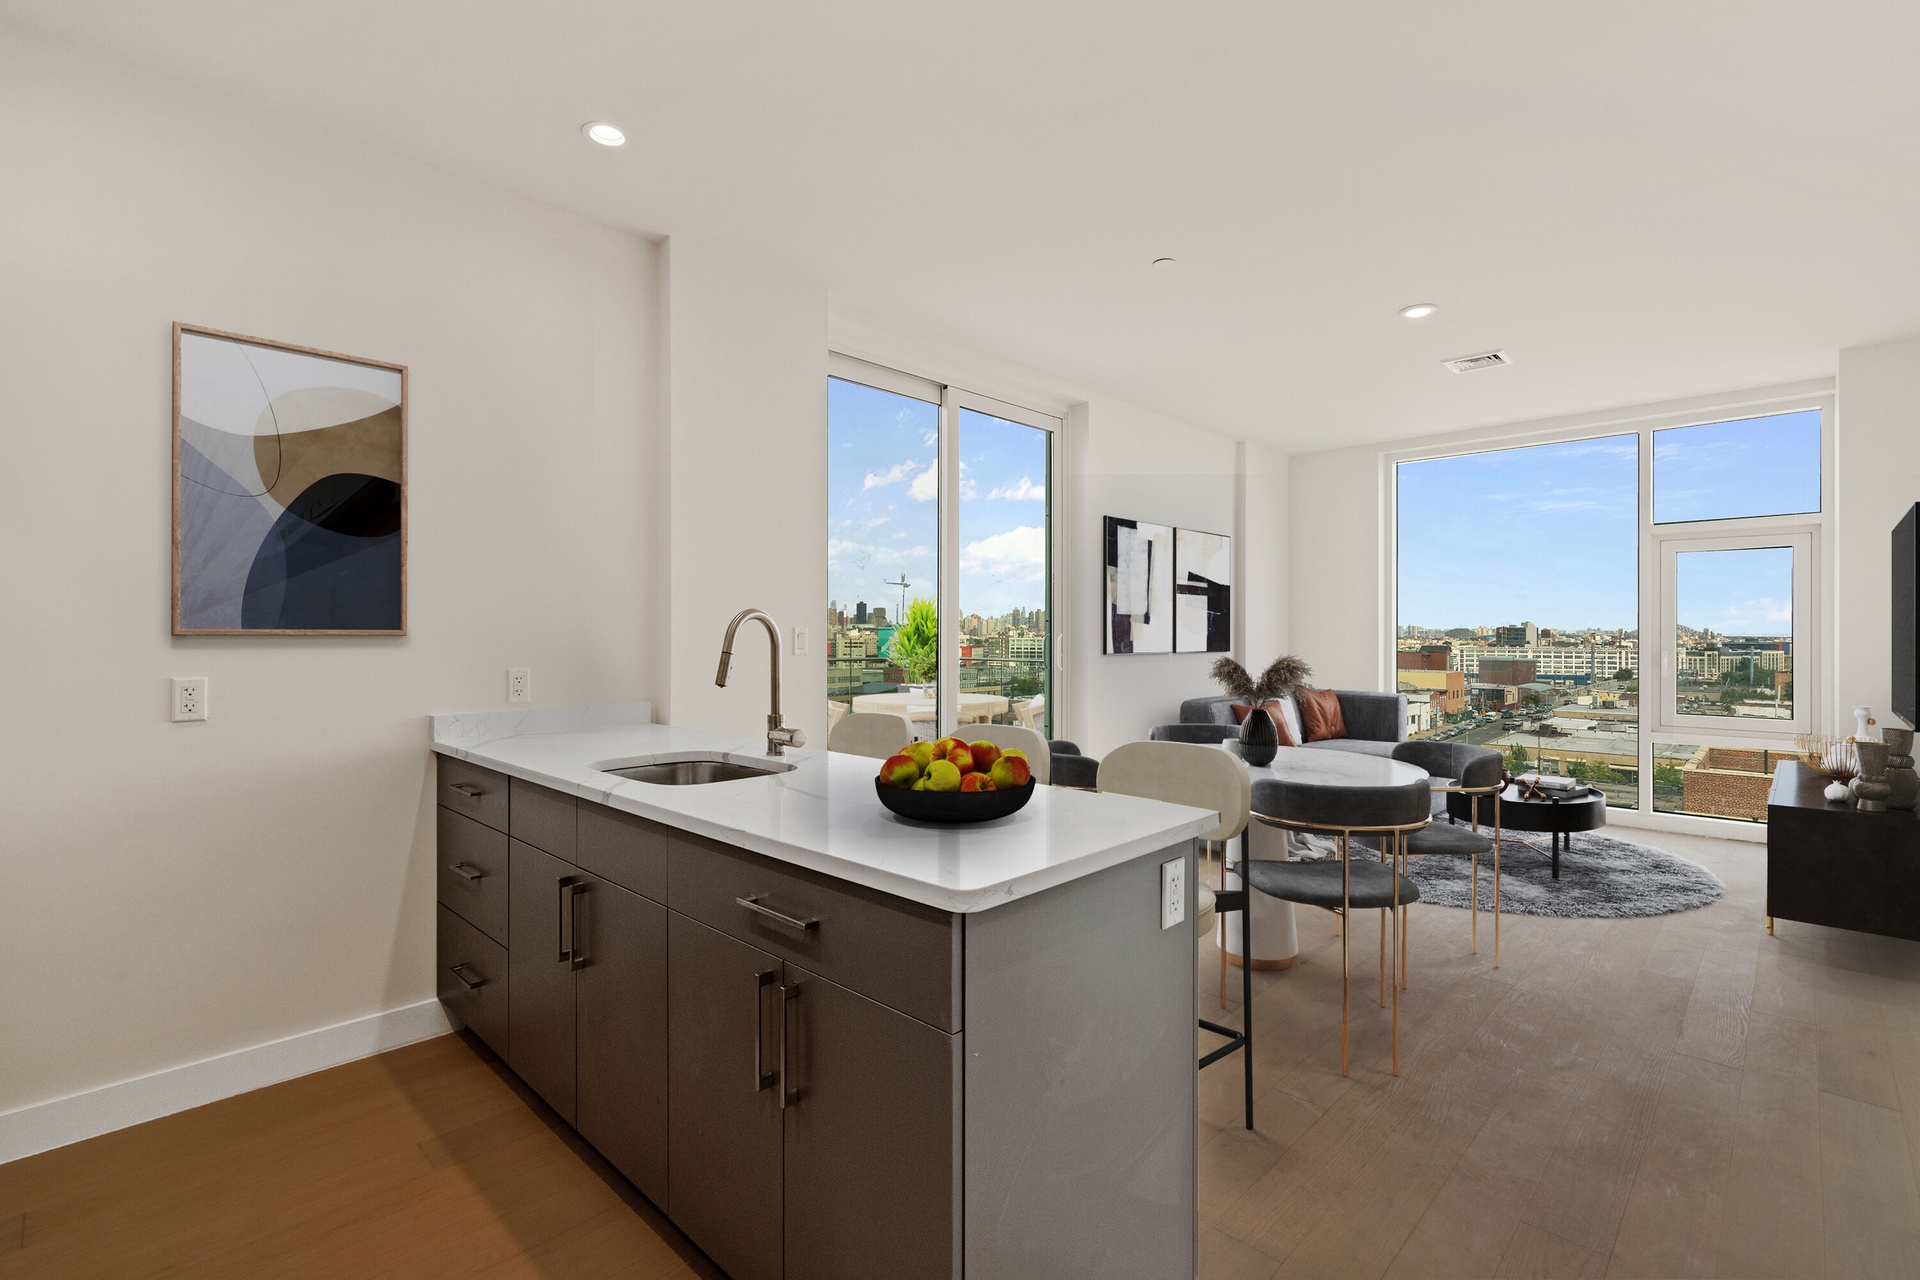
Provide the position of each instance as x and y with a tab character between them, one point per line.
900	771
1010	773
976	782
961	758
984	754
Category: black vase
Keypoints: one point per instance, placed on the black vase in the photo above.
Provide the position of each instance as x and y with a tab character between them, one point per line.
1259	739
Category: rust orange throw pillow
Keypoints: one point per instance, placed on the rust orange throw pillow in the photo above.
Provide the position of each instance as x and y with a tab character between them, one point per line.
1240	714
1320	714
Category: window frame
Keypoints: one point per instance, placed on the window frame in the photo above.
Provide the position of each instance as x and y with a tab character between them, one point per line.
950	400
1814	678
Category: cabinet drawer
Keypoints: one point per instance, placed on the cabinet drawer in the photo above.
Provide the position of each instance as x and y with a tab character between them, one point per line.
473	979
473	873
625	848
543	819
900	953
480	794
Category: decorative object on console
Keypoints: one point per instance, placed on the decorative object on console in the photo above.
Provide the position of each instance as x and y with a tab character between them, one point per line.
1202	592
1903	784
1833	757
1139	585
1258	741
1863	723
289	489
1320	711
1870	789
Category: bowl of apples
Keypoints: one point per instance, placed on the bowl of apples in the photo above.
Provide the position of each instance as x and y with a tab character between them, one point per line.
954	781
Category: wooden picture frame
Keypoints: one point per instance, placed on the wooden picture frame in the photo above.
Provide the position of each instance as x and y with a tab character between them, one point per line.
306	536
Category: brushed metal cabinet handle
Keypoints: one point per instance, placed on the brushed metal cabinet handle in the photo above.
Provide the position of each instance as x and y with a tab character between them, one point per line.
788	994
752	903
762	1077
468	790
562	926
470	983
467	870
576	931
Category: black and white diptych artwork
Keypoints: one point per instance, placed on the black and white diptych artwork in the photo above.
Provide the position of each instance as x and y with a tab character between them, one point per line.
1139	604
1202	592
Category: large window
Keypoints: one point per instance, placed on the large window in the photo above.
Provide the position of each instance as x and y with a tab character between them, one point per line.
1636	608
939	550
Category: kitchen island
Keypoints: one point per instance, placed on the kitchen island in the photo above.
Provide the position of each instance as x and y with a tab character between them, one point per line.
823	1040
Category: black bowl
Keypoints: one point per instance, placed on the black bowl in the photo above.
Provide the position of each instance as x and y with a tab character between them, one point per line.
952	806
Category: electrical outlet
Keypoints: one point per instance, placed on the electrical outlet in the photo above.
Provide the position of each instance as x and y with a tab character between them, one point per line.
519	684
799	642
1173	892
189	698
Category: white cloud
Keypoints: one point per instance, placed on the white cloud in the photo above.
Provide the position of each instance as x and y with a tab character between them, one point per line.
897	473
1019	555
925	487
1025	491
916	553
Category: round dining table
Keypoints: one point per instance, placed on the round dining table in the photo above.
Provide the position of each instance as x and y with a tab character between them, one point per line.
1275	940
975	708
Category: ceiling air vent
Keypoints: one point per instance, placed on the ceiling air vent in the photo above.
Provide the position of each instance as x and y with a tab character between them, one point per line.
1487	360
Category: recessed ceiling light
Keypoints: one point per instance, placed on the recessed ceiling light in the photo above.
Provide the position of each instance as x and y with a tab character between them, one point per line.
1162	264
1419	310
605	134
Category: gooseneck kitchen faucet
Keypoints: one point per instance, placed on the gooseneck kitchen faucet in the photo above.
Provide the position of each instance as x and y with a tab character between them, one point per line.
779	737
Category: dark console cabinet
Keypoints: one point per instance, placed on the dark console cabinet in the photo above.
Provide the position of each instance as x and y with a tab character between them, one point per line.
1831	864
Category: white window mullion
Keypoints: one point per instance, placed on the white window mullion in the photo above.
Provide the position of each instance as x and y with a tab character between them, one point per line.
947	600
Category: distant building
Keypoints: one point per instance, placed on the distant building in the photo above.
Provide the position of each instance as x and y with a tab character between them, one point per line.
860	614
1512	671
1428	657
1522	634
1445	691
879	616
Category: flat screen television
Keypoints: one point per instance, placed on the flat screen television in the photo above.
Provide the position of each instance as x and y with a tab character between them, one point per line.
1906	607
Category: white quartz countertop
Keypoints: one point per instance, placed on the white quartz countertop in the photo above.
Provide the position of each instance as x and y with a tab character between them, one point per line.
823	814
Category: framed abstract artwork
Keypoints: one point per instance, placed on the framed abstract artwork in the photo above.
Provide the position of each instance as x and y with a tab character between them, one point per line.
1139	587
1202	592
289	489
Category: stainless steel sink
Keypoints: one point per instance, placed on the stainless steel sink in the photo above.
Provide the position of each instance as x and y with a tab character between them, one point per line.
689	773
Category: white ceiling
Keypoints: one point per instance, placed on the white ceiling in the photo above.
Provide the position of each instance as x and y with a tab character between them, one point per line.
1637	200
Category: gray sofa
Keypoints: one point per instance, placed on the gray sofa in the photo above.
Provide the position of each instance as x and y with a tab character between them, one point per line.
1376	722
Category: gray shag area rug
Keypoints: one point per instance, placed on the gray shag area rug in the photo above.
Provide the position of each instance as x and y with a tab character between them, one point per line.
1599	877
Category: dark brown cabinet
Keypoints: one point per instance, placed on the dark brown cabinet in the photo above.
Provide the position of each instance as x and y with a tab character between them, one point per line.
620	1031
540	1001
723	1076
771	1055
872	1138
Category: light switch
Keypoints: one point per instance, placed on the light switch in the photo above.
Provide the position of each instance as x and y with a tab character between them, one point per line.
1173	892
799	642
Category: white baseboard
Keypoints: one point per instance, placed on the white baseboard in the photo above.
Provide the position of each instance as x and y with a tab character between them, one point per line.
42	1126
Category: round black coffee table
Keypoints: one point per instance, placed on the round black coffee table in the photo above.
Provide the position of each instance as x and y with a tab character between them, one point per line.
1557	818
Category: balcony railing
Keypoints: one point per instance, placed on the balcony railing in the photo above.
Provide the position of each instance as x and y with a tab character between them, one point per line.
1018	680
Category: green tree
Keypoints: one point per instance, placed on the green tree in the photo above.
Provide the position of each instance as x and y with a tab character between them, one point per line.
1623	674
1517	759
1530	700
916	643
1668	775
1579	770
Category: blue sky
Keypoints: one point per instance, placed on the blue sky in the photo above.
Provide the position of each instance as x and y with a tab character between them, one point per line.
882	500
1549	533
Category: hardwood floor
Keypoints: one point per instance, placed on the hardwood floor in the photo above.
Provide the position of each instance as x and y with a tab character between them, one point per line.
1672	1096
432	1160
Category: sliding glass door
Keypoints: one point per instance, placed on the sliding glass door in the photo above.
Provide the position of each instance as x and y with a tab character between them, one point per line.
940	553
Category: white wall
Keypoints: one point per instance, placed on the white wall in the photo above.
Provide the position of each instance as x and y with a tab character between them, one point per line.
1261	568
1141	466
1336	563
169	892
1878	479
748	406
